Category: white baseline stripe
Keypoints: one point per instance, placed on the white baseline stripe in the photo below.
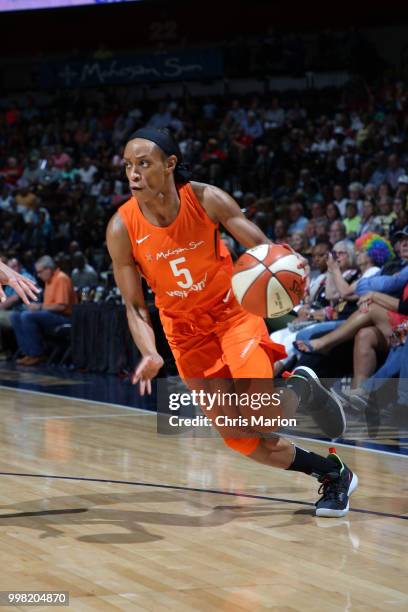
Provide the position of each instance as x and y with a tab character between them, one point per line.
353	446
54	417
77	399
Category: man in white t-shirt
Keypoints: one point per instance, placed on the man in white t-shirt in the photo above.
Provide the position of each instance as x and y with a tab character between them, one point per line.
87	171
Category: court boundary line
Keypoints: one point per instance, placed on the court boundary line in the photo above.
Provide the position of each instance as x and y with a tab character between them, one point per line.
154	413
55	417
75	399
194	490
345	445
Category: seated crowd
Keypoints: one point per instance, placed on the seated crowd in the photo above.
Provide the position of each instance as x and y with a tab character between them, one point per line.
332	183
359	295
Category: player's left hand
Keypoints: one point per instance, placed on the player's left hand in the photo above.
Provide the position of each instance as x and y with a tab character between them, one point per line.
147	369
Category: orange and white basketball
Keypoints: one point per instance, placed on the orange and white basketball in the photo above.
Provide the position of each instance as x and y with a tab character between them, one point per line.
268	280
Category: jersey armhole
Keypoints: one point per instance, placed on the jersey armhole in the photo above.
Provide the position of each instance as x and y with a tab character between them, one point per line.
215	223
131	231
217	242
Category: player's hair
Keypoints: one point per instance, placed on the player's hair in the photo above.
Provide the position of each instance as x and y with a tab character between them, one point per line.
164	139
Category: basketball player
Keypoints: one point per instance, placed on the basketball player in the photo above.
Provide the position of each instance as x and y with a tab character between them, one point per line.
168	232
24	288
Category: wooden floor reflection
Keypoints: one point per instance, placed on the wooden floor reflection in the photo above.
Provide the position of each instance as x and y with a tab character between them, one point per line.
95	502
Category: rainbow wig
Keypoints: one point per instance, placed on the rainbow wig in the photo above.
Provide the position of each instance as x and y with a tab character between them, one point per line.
378	249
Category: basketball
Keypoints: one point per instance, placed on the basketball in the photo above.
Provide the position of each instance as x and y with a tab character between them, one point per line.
267	280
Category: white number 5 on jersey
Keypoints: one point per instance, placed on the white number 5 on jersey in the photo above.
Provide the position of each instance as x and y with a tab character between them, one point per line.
187	283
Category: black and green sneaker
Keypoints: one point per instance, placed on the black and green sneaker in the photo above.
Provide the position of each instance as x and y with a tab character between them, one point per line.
336	488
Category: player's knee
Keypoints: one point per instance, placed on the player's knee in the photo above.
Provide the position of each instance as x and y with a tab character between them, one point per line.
245	446
275	443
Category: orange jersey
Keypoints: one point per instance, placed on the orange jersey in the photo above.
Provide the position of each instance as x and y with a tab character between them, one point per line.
189	269
186	264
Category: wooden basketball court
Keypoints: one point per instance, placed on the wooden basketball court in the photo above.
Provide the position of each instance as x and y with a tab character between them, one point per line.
95	502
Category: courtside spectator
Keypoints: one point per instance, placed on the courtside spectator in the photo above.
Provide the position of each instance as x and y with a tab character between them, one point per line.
31	325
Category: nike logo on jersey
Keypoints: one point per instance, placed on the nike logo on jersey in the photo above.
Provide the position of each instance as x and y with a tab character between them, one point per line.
227	296
140	240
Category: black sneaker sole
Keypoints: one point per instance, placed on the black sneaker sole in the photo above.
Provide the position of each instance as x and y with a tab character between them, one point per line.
337	513
329	416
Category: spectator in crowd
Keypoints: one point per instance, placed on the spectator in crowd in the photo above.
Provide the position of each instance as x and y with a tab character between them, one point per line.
60	158
213	159
32	172
252	126
340	264
365	317
162	118
297	219
342	260
274	115
339	200
280	232
310	232
26	203
368	222
333	212
317	212
380	173
6	199
337	232
386	216
300	243
373	252
394	171
32	324
355	196
352	221
316	294
367	378
87	171
402	191
312	309
11	172
83	274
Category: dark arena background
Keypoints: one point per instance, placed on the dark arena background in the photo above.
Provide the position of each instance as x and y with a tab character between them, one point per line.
300	113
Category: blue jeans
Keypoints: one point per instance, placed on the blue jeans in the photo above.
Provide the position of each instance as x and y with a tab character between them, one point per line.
395	364
30	327
317	330
403	382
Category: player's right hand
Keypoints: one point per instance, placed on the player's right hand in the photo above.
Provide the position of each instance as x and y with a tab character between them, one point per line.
147	369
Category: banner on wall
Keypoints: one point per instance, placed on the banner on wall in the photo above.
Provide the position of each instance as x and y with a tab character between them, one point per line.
178	66
24	5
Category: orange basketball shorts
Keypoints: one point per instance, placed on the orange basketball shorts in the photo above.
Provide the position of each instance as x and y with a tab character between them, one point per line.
223	342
